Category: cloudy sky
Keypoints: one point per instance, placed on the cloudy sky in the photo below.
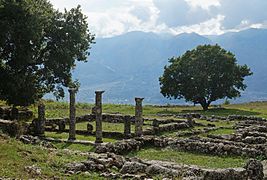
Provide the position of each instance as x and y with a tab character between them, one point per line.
108	18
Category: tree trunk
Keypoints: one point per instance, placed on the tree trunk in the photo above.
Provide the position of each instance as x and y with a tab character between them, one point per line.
205	105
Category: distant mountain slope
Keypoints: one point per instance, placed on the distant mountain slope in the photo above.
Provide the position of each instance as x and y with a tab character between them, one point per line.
250	47
130	65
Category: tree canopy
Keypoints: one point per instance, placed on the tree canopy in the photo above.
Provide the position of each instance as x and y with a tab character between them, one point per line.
38	49
203	75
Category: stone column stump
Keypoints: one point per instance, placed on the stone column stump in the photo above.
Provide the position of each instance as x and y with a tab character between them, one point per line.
90	128
127	127
138	117
61	125
190	121
98	116
40	124
72	122
155	125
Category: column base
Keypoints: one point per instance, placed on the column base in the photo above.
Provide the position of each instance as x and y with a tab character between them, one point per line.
41	136
138	135
98	141
71	139
127	136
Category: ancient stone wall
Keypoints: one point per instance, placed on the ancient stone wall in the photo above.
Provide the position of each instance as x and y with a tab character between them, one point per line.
13	128
134	168
6	113
207	146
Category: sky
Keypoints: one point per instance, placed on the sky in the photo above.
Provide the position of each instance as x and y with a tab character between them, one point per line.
107	18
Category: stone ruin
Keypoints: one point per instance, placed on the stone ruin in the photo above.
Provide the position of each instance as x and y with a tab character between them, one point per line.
134	168
98	116
12	128
249	140
41	124
12	113
72	119
105	161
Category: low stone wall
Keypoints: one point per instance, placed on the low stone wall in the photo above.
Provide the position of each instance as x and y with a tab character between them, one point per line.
88	118
252	124
52	126
166	121
120	147
240	145
213	117
216	148
134	168
207	146
240	117
106	134
173	126
28	139
181	116
12	128
7	113
197	132
251	132
58	124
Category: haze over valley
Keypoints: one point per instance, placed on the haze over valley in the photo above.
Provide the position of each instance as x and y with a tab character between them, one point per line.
129	65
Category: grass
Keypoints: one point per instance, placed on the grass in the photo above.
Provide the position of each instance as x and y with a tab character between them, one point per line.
255	108
75	147
174	133
56	109
223	131
227	125
15	156
201	160
219	132
2	103
78	137
221	123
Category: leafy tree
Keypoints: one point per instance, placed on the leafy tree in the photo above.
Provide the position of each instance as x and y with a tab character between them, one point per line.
203	75
39	47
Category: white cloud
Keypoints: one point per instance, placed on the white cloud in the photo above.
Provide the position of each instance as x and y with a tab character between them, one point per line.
236	11
210	27
204	4
246	24
108	18
118	20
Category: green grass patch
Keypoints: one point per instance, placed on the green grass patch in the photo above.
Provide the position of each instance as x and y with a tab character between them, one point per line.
76	147
221	123
173	133
56	109
201	160
78	137
14	156
223	131
2	103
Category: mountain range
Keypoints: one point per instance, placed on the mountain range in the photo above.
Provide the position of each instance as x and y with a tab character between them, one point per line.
130	65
